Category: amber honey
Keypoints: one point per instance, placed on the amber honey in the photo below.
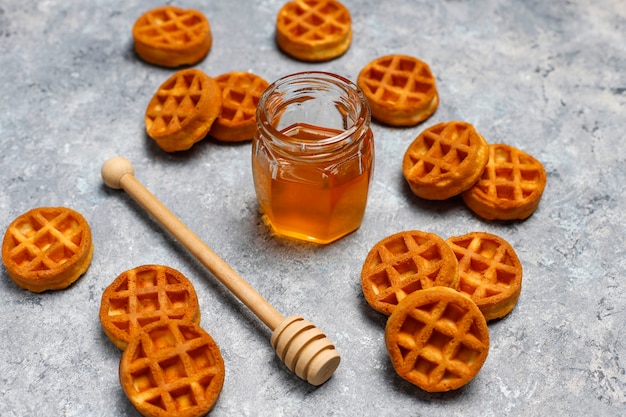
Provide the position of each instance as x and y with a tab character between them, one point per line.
312	157
314	201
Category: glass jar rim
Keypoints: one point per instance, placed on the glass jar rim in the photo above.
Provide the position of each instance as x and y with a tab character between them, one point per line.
361	119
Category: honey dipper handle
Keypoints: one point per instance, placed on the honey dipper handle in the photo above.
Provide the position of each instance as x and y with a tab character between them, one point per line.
303	348
119	173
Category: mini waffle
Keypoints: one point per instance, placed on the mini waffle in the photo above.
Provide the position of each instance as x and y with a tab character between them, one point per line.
172	368
314	30
240	95
143	295
437	339
400	89
171	37
47	248
403	263
183	109
510	186
490	272
445	160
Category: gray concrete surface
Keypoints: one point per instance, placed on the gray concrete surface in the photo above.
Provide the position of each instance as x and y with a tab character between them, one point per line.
546	76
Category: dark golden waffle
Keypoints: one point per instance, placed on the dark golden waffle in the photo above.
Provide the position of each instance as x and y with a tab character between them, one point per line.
172	368
490	272
47	248
314	30
401	90
171	37
510	186
143	295
240	95
437	339
444	160
404	263
183	109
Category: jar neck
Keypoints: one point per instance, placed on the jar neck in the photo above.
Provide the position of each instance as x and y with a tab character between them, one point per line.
312	114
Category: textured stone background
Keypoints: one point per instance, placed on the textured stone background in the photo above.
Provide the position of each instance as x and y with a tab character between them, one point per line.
546	76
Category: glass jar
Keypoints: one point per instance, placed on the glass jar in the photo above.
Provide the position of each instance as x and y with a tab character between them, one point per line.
313	156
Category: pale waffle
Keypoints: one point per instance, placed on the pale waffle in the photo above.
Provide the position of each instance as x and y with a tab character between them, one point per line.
400	89
445	160
510	186
437	339
240	95
169	36
403	263
47	248
172	368
314	30
183	109
490	272
143	295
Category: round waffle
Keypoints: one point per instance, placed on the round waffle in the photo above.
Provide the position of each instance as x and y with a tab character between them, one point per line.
437	339
314	30
171	37
143	295
509	188
47	248
490	272
172	368
183	109
403	263
240	95
400	89
444	160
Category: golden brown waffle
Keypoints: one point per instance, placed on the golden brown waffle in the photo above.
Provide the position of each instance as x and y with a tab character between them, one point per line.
437	339
445	160
490	272
401	90
171	37
47	248
240	95
143	295
510	186
314	30
172	368
183	109
403	263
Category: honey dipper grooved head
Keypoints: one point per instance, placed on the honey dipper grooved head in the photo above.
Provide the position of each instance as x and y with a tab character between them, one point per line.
114	169
305	350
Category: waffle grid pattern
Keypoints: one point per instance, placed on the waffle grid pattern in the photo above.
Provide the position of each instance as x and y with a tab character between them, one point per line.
168	26
440	150
173	367
174	102
400	80
510	176
148	294
404	264
240	96
45	240
487	268
439	342
315	20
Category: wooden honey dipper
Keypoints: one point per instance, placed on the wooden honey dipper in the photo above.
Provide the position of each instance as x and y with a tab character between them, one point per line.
298	343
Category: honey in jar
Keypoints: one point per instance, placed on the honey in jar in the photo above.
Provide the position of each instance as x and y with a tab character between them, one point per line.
312	156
